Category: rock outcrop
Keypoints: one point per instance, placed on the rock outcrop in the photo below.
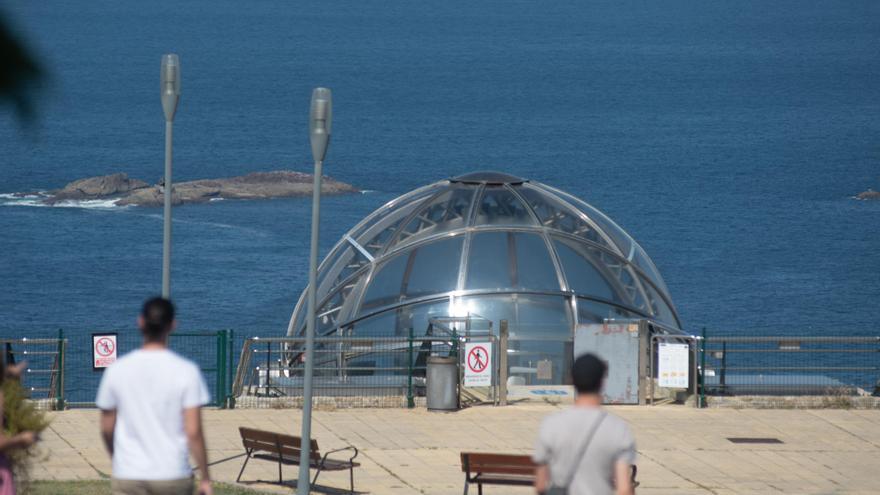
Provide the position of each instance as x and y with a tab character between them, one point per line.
258	185
869	194
104	186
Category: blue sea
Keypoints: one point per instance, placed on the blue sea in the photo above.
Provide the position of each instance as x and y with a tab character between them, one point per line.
728	138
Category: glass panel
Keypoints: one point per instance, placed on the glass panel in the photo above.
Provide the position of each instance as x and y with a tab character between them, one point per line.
661	310
632	289
417	316
534	267
611	268
386	285
489	261
444	213
582	275
424	270
498	206
381	325
397	322
299	322
596	312
525	357
434	267
374	235
620	238
554	214
644	262
347	261
508	260
532	317
617	234
335	310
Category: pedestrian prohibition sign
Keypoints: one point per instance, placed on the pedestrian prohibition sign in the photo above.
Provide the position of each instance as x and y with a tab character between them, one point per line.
103	350
478	364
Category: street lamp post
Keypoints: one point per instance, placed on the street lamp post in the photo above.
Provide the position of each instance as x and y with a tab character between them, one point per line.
170	92
320	116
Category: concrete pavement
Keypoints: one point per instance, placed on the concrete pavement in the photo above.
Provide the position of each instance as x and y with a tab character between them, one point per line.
681	450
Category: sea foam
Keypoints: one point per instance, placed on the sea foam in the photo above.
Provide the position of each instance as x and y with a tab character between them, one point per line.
38	200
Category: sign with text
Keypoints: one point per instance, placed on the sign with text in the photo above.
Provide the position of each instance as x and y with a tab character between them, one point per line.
673	365
104	350
478	364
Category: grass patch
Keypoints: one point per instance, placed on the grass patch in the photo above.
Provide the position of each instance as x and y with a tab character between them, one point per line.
103	488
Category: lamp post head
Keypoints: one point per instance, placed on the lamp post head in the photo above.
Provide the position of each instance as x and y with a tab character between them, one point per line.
170	84
320	117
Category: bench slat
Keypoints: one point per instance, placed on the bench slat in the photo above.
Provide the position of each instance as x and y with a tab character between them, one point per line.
504	480
287	446
497	463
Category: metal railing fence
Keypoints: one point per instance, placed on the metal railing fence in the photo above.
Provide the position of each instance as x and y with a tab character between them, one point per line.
390	371
351	371
791	366
210	350
61	368
43	377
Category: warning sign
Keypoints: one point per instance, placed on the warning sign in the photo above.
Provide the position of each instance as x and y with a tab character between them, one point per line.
103	350
673	365
478	364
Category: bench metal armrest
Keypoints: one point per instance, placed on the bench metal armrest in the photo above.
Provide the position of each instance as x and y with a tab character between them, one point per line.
350	447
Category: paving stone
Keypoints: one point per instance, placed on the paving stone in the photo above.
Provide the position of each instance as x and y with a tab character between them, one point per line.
682	450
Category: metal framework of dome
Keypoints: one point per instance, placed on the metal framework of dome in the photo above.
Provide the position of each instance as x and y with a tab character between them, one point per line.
486	245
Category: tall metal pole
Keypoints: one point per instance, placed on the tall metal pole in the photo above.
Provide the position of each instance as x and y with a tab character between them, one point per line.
503	339
319	133
166	192
169	79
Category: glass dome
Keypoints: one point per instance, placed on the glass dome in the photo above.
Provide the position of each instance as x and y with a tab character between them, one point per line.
490	246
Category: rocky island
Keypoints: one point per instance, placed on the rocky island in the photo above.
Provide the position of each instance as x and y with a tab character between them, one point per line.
258	185
869	194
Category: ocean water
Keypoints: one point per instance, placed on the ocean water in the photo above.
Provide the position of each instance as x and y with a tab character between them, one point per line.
728	138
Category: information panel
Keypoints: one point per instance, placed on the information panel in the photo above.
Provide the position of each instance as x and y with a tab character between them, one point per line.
478	364
103	350
673	365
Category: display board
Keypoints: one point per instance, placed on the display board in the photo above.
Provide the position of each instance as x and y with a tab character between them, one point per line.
104	350
673	365
478	364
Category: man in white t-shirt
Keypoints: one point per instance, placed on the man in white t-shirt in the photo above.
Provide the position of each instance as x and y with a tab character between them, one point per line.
584	449
151	421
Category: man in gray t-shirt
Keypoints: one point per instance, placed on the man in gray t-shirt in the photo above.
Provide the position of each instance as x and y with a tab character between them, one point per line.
562	452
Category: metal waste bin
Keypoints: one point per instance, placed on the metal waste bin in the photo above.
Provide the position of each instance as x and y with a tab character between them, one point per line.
442	383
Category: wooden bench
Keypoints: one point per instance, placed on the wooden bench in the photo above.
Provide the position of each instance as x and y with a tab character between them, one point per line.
503	469
285	449
497	469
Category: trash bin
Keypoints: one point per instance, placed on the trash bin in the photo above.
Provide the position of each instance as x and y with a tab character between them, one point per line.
442	383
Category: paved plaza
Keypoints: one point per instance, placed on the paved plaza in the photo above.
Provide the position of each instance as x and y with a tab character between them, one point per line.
681	450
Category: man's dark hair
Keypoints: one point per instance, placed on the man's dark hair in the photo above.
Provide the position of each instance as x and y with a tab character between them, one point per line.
158	315
587	373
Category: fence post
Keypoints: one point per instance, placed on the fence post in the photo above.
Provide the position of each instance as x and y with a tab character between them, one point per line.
702	376
230	401
59	382
458	367
220	386
410	401
502	363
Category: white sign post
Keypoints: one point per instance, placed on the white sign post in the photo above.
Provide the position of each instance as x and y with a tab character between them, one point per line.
478	364
673	365
104	350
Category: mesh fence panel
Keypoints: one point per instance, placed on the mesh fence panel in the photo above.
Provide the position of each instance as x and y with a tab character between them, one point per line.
818	366
212	351
348	372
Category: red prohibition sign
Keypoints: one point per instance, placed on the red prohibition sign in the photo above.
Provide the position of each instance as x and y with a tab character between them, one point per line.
478	359
104	347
